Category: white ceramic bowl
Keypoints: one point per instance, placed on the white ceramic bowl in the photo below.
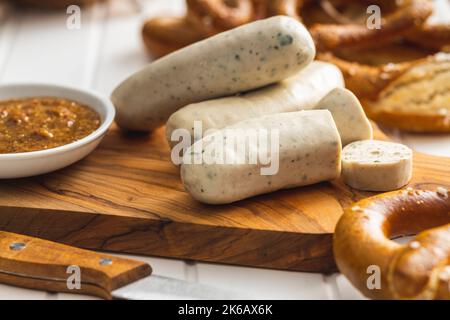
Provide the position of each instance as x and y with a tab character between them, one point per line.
18	165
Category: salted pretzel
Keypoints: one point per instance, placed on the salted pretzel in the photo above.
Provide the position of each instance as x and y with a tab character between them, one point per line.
417	270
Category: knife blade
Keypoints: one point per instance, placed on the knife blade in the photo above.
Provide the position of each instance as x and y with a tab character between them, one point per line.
163	288
44	265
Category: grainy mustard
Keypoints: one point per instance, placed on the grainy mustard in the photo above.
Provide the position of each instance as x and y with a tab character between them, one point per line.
41	123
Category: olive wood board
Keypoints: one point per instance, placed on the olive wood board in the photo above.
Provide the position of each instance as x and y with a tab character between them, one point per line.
127	197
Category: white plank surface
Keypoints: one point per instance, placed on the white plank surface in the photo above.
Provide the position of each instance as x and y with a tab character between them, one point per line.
37	47
264	284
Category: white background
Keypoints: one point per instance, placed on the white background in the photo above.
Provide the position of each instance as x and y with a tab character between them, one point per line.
37	47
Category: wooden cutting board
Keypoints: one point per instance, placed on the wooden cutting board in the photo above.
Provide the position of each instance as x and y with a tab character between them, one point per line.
127	197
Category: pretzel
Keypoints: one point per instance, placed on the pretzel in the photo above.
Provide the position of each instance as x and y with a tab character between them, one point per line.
209	17
165	35
431	36
412	122
408	16
418	270
214	16
367	81
289	8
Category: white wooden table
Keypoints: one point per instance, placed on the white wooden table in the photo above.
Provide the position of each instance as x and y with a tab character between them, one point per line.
37	47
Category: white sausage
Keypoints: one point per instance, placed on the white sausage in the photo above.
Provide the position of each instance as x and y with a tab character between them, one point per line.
372	165
309	152
348	114
242	59
302	91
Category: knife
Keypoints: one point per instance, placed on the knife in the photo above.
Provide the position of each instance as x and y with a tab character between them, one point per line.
40	264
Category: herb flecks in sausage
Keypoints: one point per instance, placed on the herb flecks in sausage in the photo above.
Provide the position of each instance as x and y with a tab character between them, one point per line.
372	165
302	91
300	160
285	39
226	64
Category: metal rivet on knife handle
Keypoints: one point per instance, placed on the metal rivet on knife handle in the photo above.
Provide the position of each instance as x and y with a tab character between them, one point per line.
16	246
20	254
105	262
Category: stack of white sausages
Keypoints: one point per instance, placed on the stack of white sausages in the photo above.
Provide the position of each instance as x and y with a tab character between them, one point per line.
260	76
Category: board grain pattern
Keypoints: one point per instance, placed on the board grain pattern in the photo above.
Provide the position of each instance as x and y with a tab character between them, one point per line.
127	197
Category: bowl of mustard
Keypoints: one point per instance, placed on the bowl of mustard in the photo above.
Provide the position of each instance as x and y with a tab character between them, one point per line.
46	127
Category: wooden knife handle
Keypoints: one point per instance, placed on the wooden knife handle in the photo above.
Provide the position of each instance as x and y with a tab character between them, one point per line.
40	264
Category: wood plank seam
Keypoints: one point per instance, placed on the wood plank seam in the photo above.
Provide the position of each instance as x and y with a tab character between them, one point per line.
331	286
98	18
